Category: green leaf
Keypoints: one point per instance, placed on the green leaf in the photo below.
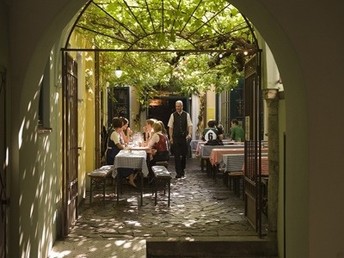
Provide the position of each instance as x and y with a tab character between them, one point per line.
181	25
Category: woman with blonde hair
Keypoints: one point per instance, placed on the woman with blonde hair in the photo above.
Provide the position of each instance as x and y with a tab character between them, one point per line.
159	145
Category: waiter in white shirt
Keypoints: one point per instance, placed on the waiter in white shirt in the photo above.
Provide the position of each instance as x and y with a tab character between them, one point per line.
180	132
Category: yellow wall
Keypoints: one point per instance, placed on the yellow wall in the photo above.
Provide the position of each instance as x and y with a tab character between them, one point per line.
86	112
211	106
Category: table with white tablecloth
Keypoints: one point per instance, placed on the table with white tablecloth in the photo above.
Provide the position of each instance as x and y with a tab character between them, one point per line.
135	159
206	150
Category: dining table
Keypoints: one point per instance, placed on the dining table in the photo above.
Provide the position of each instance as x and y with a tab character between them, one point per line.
135	159
205	152
216	157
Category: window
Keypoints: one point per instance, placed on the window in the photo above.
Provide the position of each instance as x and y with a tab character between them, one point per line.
44	101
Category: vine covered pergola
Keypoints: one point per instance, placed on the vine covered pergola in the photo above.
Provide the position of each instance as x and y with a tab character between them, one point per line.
183	46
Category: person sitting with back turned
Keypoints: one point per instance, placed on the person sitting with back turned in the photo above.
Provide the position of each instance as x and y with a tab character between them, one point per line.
237	133
115	144
211	134
220	129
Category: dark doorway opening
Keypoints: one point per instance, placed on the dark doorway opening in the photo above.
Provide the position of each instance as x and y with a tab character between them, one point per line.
162	107
118	103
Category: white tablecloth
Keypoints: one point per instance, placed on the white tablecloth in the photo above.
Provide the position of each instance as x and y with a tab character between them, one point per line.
131	159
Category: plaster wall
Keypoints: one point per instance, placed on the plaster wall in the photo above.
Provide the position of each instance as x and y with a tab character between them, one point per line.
312	77
298	38
270	77
33	206
210	107
86	124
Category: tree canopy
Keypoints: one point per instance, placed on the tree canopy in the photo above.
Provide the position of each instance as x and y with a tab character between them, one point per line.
176	46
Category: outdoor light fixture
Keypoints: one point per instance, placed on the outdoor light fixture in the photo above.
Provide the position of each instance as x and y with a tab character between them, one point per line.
118	72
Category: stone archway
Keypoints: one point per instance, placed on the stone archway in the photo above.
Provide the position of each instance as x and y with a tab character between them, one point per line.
28	62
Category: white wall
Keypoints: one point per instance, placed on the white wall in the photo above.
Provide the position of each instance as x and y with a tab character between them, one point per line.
194	114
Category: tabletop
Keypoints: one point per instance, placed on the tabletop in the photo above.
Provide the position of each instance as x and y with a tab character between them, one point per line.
196	145
205	150
216	155
131	159
142	148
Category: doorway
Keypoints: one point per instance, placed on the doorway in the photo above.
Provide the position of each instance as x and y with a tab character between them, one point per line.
161	108
70	144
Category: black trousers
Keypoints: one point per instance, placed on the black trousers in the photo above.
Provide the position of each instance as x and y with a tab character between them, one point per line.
180	150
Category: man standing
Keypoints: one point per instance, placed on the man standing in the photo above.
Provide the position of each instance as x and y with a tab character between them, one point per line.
180	130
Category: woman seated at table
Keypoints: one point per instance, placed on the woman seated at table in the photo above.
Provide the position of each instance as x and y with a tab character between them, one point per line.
126	132
114	145
148	129
159	146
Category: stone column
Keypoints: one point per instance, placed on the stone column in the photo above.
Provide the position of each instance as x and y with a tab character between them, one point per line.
271	97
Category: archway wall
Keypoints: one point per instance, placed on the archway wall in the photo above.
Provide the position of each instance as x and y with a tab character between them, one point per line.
314	123
304	42
297	192
34	182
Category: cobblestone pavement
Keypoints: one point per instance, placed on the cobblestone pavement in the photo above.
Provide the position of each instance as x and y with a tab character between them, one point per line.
201	208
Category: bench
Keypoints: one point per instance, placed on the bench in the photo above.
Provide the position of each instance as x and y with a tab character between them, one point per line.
98	178
162	179
162	163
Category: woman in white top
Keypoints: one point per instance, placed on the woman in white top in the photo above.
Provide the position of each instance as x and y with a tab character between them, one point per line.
115	144
126	133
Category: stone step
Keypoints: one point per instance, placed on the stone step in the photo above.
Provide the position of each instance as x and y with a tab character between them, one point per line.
191	248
